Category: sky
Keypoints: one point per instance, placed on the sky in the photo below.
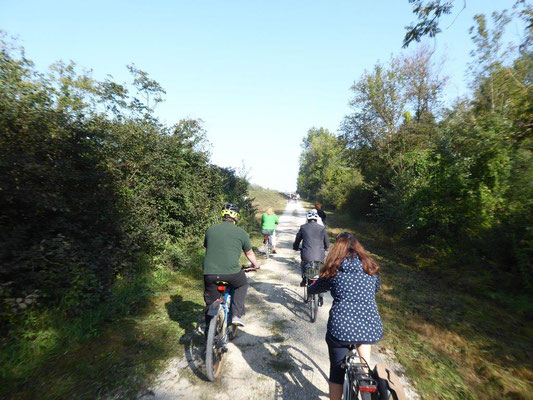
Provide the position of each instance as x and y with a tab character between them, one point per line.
258	73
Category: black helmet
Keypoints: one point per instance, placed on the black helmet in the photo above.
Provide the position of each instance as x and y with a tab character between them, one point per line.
231	211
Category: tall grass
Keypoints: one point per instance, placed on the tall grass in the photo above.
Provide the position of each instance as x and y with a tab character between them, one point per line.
454	342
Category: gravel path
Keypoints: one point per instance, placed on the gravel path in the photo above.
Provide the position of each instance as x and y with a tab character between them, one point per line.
279	354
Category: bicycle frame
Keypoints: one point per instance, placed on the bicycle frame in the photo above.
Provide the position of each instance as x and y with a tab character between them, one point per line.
315	300
226	299
267	241
356	379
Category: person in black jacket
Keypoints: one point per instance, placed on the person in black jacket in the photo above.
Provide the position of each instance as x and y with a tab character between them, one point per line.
321	213
314	241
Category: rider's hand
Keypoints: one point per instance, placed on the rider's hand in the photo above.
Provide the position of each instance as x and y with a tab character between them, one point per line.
251	268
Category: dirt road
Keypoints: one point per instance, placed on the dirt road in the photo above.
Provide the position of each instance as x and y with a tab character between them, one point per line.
279	354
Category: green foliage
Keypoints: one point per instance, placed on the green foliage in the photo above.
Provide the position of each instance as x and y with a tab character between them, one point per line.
324	172
428	14
89	179
457	181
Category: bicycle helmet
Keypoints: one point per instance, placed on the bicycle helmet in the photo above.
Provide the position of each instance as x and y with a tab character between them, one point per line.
313	214
231	211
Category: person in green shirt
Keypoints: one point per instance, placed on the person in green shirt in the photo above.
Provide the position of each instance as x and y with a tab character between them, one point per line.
224	243
269	220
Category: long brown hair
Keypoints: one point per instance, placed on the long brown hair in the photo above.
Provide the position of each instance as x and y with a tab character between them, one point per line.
347	246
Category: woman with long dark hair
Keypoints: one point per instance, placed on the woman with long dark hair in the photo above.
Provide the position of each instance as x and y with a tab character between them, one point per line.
352	275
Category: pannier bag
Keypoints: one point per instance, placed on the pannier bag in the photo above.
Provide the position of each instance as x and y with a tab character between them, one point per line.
388	380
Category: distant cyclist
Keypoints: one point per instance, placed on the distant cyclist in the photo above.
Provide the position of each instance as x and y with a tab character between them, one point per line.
352	275
224	243
321	213
314	241
269	220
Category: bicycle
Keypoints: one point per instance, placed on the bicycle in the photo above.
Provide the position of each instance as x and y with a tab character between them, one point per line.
267	241
358	382
313	301
220	330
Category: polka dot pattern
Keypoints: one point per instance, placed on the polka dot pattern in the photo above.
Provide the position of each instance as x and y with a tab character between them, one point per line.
354	315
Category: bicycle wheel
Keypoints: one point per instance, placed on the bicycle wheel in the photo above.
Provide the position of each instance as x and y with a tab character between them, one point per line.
232	332
348	392
213	350
365	395
313	307
268	248
306	299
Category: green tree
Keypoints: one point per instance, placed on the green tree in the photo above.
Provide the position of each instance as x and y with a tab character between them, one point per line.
90	179
325	174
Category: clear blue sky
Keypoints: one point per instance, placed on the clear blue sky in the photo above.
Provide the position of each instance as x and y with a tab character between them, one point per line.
258	73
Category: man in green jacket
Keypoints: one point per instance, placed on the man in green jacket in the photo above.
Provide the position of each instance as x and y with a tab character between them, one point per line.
224	243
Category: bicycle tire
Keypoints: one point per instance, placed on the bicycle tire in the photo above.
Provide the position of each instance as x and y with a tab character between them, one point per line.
232	332
306	295
347	389
268	248
313	308
365	395
213	356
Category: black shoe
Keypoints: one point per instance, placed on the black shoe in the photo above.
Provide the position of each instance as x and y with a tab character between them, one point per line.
303	282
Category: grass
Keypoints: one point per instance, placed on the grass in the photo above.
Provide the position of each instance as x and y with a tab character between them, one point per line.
264	198
116	350
453	343
111	352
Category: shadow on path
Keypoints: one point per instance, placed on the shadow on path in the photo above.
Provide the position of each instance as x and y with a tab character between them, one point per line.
186	313
291	369
289	298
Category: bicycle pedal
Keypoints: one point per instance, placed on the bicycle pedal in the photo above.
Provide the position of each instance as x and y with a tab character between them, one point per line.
224	349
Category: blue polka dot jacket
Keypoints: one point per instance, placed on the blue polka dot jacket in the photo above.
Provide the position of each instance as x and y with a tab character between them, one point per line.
354	315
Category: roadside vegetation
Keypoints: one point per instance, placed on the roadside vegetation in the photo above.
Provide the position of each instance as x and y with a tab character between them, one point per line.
453	341
263	198
444	198
102	215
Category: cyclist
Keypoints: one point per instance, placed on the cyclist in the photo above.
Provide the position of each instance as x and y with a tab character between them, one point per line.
314	241
321	213
269	220
223	243
353	278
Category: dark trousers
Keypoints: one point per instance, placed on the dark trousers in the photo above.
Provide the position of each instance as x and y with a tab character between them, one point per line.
237	281
337	350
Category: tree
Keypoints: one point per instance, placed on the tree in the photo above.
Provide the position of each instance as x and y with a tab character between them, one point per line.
381	129
325	173
430	12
